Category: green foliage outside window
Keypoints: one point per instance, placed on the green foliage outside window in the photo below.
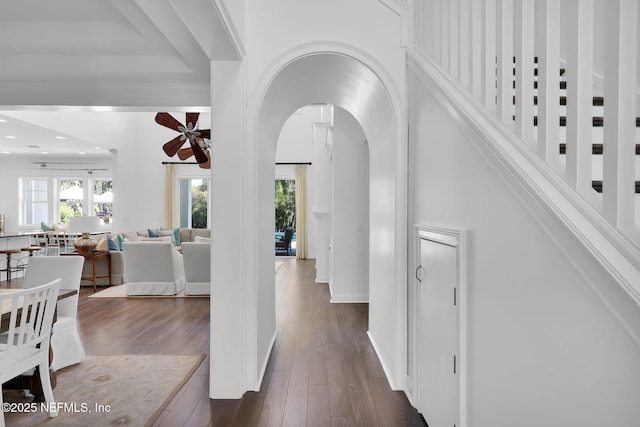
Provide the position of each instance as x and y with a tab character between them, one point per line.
285	193
199	206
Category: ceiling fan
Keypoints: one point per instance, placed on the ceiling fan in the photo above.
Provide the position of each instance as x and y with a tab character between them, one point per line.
199	139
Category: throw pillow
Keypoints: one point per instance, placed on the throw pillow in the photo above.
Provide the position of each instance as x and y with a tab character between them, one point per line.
202	239
152	233
103	244
176	235
113	244
46	227
120	241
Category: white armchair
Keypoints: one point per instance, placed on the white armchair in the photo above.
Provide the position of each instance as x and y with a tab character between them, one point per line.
65	340
153	268
197	268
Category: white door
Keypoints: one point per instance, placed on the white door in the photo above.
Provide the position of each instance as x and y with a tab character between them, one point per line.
438	334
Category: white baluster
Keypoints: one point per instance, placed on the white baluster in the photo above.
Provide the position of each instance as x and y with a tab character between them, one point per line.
523	50
505	62
475	64
580	95
454	39
445	24
548	46
488	56
619	113
464	24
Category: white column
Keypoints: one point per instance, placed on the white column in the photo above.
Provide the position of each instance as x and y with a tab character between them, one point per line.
233	328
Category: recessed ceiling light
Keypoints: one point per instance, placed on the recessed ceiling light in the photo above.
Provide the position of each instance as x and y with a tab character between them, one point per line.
97	148
6	152
44	152
11	137
3	121
81	152
61	137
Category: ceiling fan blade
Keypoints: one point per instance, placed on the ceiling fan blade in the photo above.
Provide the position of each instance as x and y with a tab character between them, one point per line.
193	119
206	165
185	153
205	133
167	120
201	157
172	147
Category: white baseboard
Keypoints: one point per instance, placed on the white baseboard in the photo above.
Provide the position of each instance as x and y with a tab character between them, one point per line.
382	362
322	280
266	362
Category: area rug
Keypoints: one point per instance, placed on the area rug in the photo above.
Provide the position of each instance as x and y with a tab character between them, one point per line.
127	390
120	291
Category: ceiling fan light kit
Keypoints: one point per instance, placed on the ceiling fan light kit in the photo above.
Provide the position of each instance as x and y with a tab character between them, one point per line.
199	139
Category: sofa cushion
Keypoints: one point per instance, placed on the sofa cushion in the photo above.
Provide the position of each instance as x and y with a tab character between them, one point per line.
176	234
202	232
185	235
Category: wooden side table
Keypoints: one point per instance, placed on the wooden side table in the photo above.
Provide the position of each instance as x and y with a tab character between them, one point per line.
94	257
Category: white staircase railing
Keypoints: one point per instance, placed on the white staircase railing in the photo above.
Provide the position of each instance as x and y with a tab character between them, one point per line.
508	55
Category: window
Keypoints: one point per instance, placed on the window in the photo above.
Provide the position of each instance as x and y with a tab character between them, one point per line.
194	202
103	200
70	199
35	201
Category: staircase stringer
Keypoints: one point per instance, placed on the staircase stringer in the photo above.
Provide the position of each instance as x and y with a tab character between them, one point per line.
608	246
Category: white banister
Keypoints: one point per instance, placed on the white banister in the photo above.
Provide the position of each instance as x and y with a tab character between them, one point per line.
619	112
548	44
505	62
580	95
523	51
478	44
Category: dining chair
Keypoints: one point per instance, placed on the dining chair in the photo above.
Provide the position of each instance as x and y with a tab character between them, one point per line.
29	314
65	339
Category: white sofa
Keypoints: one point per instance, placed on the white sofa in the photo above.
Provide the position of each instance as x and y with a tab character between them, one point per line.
153	268
197	268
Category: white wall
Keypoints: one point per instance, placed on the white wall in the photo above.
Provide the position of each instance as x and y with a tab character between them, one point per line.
285	73
552	339
350	212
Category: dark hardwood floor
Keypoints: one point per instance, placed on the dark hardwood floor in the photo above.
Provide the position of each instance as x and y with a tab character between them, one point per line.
322	371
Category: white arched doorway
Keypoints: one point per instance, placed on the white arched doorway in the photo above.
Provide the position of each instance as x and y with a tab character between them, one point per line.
345	79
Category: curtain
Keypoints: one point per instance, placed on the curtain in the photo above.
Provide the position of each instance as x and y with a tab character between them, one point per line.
301	211
170	196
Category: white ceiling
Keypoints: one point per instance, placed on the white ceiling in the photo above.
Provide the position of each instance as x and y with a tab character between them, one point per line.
141	55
